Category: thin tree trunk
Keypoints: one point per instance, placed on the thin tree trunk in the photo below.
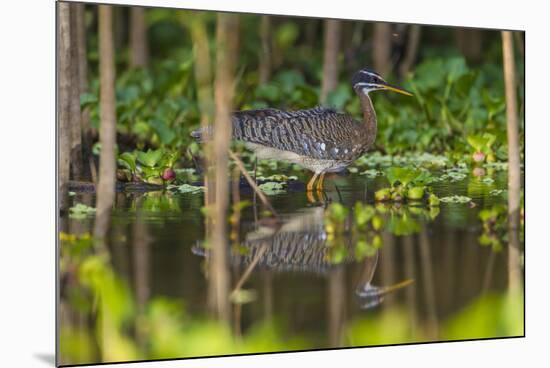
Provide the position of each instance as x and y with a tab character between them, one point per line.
382	48
203	80
139	50
63	101
265	52
76	130
226	42
514	173
83	87
330	61
107	131
412	50
203	70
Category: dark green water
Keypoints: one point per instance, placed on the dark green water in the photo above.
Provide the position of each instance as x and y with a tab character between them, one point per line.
309	293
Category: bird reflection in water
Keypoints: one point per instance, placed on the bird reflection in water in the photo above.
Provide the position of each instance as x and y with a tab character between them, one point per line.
299	243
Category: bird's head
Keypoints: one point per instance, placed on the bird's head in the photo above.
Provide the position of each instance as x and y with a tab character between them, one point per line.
366	80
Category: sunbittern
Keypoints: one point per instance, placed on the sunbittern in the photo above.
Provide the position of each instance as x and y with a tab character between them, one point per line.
319	139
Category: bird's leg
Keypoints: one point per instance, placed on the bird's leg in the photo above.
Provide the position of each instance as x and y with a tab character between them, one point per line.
320	182
311	182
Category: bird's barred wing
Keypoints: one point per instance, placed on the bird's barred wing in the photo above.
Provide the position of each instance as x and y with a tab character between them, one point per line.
319	133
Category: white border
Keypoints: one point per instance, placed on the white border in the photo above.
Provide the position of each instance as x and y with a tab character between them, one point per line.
27	181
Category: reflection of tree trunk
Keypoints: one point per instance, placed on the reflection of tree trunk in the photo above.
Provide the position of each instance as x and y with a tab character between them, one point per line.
142	261
107	132
382	48
470	42
265	52
428	279
410	273
267	279
226	46
336	305
76	129
64	93
387	265
411	51
139	54
83	87
330	61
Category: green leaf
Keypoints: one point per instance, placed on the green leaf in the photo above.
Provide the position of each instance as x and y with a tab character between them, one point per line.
150	158
164	132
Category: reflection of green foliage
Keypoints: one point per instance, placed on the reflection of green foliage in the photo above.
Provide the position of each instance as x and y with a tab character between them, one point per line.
403	225
390	327
160	202
494	221
488	316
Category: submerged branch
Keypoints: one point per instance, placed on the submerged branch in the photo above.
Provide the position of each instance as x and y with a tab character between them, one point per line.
252	183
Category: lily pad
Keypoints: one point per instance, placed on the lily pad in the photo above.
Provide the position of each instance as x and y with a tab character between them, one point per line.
81	211
186	188
456	199
272	188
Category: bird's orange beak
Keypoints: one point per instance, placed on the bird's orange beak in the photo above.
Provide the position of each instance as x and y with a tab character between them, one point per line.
396	89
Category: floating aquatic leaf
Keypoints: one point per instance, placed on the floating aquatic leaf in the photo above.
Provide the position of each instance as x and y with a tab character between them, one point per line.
81	211
186	188
277	178
371	173
456	199
272	188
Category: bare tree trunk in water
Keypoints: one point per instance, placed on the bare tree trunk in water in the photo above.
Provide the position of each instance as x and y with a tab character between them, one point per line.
514	174
139	50
382	48
107	131
330	60
514	171
265	52
226	46
470	43
76	130
336	306
203	80
83	87
203	70
63	101
411	52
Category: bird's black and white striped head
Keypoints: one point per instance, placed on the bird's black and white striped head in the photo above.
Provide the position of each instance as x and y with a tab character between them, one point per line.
366	80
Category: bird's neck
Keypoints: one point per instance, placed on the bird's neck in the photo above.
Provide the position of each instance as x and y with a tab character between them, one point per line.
369	118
